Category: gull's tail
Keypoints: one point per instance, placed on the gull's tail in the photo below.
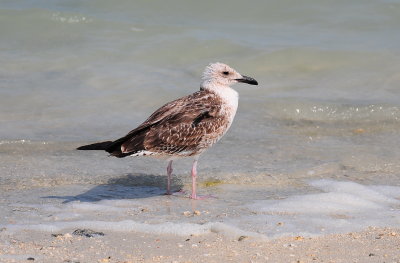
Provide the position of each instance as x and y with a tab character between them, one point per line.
96	146
132	143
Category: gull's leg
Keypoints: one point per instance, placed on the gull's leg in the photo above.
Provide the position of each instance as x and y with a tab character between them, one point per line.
169	173
194	175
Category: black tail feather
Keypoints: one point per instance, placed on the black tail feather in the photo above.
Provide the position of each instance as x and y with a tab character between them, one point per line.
96	146
133	140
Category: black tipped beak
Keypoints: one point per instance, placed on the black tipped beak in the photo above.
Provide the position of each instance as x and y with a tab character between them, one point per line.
248	80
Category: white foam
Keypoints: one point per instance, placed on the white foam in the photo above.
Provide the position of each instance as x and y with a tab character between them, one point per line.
341	207
332	207
103	216
380	194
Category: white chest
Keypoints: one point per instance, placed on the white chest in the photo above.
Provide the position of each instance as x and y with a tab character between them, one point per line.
231	100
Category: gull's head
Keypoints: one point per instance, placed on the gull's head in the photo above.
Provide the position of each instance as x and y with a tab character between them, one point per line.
219	74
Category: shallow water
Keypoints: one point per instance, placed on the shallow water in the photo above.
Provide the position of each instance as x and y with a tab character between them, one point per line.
327	106
257	212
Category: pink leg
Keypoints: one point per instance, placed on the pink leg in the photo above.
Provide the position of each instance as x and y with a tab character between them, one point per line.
194	194
194	175
169	173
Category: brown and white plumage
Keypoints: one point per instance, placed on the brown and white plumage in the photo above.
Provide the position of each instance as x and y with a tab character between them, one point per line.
186	126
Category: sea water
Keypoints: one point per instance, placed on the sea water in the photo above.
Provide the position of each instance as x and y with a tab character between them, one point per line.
313	149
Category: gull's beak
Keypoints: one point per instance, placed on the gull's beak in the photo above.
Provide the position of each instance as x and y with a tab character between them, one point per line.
247	80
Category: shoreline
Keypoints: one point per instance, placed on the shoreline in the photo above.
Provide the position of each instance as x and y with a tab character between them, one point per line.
370	245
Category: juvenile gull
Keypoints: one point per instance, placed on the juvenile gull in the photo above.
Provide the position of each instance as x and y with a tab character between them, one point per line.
186	126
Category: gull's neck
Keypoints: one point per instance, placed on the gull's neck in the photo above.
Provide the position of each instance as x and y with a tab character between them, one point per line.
226	93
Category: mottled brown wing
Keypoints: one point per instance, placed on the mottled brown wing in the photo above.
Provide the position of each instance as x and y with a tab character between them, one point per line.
182	126
133	141
167	110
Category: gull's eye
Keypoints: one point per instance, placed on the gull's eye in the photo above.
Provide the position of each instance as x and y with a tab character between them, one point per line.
225	73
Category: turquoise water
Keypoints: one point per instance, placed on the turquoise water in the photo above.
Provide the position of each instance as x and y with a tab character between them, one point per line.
327	104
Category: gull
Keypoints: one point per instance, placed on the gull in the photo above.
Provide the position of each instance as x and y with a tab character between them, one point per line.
185	127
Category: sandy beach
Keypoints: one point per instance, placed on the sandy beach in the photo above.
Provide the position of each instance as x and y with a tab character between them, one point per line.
371	245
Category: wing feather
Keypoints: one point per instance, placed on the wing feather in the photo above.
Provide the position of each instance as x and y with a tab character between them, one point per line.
183	125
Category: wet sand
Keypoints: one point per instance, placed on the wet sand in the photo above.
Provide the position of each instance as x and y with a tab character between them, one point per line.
370	245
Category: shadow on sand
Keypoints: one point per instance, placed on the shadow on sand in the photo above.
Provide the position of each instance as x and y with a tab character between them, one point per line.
129	186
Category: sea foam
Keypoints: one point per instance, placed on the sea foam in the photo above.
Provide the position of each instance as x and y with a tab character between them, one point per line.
329	206
338	207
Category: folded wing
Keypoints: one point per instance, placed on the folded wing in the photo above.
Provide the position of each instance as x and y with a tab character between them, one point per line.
181	127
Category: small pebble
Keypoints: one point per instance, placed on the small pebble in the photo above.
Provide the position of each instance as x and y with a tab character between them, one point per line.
105	260
289	245
31	259
87	233
241	238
